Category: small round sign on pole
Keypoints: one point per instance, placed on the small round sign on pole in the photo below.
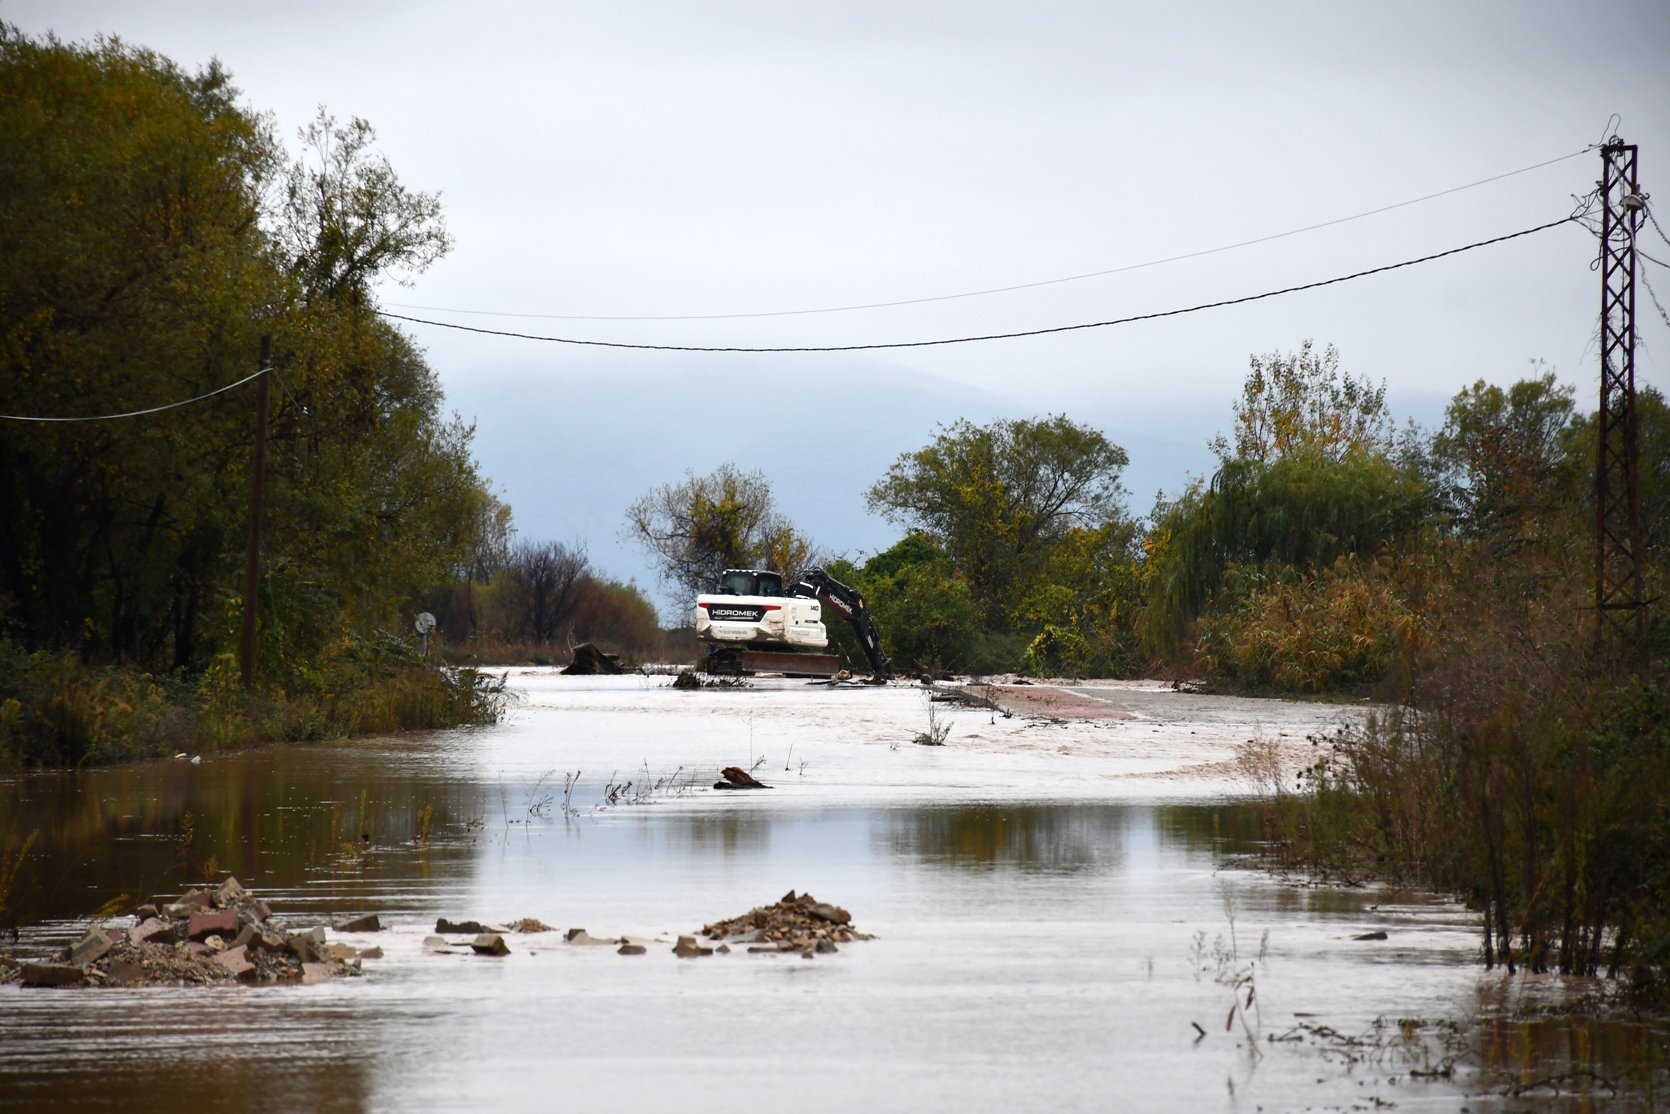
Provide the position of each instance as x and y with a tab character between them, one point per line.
424	624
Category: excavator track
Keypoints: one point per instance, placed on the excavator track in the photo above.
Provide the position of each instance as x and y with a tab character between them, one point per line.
734	662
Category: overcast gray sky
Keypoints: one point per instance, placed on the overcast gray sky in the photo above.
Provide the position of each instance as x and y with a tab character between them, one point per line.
628	159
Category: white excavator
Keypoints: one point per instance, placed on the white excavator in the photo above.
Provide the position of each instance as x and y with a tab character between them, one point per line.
752	624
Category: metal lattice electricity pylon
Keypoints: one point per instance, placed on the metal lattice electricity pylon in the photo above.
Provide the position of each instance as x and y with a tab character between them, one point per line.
1618	587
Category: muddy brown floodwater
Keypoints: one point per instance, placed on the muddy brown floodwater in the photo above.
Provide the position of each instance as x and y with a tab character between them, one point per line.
1059	920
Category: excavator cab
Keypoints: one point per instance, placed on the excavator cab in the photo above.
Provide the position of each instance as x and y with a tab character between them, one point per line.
750	582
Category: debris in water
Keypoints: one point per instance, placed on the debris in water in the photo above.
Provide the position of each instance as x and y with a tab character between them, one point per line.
216	935
797	923
735	777
689	680
589	661
490	943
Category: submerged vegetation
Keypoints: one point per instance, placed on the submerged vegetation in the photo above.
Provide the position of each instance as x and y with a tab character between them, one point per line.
56	710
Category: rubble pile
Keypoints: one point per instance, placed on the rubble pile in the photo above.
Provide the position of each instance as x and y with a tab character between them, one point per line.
797	923
224	934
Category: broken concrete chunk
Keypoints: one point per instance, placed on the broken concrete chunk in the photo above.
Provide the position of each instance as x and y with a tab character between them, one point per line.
1370	936
834	914
268	941
631	949
460	928
436	944
154	930
371	953
367	923
313	973
342	953
217	922
190	902
52	974
309	946
230	893
687	948
581	936
90	948
236	961
490	943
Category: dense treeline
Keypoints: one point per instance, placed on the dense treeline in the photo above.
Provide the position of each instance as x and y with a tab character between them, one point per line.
1528	762
154	230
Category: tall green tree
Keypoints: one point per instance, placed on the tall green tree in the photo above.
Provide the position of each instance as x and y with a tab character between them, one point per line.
347	219
996	499
1302	403
134	267
697	528
151	234
1500	452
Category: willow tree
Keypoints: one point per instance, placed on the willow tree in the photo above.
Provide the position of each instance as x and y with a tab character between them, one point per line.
1314	473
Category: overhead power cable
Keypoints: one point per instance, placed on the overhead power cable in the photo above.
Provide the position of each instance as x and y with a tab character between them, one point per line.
1653	294
136	413
1018	286
1656	227
985	336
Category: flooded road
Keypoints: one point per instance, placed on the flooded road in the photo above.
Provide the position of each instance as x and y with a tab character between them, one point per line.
1059	921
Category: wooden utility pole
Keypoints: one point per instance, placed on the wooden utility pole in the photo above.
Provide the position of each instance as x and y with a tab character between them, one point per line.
257	472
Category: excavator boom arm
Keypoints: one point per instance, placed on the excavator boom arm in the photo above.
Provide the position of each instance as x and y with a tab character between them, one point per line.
819	585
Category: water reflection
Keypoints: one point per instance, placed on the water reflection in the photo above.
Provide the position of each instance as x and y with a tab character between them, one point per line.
1024	837
274	819
1064	838
1026	947
216	1065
